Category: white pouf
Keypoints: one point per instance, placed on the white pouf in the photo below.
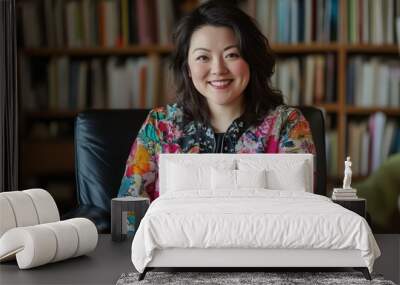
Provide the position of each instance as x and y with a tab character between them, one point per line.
26	208
23	209
40	244
6	215
31	230
45	205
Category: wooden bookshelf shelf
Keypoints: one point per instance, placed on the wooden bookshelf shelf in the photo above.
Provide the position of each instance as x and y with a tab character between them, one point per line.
142	49
161	49
369	111
372	49
330	108
156	49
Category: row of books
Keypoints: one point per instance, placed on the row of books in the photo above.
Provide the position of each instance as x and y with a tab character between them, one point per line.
109	23
105	23
296	21
372	21
142	82
306	80
372	141
145	82
373	82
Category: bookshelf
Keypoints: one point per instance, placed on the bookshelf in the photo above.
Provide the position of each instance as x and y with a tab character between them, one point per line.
150	49
345	44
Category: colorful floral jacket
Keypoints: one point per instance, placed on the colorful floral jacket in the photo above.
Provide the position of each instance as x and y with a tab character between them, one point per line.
284	130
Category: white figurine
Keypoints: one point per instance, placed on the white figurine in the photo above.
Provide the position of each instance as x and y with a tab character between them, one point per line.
347	174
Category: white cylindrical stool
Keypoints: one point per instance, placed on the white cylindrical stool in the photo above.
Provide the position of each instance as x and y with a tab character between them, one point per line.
126	214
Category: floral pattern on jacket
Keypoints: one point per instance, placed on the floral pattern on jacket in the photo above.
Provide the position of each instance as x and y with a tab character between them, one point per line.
283	130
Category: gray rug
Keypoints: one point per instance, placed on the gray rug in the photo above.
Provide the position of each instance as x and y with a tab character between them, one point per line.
243	278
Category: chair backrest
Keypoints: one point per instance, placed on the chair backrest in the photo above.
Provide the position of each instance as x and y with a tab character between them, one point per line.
316	120
103	139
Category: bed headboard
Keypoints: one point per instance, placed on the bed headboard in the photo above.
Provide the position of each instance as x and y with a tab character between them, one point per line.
285	163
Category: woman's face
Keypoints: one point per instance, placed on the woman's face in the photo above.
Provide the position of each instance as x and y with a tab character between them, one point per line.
216	67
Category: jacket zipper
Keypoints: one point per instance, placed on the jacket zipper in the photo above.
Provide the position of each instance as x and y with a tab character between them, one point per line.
222	144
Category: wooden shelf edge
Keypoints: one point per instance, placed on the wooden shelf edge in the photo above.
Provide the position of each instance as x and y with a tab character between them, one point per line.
378	49
133	50
151	49
90	51
329	107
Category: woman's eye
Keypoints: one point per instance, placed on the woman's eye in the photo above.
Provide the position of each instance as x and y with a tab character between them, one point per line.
202	58
232	55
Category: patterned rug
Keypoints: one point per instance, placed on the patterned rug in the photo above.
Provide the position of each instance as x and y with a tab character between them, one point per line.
243	278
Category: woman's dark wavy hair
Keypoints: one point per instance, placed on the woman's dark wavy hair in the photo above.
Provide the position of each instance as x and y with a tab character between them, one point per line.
259	96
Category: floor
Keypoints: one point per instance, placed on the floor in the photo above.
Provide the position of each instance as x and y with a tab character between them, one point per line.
110	260
389	262
102	266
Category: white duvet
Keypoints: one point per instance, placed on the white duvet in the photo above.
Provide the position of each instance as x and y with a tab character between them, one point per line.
253	218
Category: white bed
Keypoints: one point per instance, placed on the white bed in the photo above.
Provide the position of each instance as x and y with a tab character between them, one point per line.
211	215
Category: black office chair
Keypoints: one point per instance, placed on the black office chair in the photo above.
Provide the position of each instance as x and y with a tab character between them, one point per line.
103	139
102	142
316	120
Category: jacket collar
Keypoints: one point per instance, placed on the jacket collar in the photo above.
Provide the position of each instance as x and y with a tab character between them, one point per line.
204	135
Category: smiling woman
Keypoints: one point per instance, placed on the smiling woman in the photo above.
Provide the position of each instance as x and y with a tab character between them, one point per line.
222	66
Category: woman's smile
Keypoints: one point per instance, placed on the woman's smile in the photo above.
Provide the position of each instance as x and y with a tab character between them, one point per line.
220	84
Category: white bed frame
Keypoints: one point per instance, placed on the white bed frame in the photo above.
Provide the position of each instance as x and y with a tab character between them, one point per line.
234	257
249	258
256	258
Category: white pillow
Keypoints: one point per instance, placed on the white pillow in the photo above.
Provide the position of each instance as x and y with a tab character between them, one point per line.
251	178
171	176
295	180
183	177
223	179
282	174
236	179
